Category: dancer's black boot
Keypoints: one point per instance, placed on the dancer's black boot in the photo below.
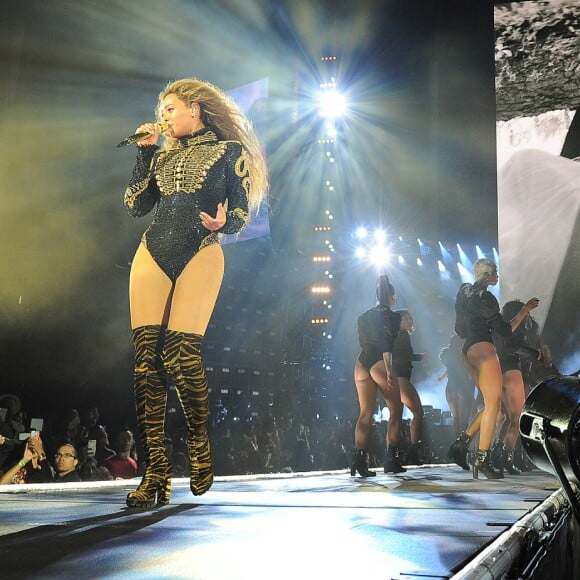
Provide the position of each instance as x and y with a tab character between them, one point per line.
482	464
182	360
415	454
392	463
458	451
360	463
497	455
508	464
151	402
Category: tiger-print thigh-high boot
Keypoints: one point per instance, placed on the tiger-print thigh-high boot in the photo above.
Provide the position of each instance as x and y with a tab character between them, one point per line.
151	403
182	359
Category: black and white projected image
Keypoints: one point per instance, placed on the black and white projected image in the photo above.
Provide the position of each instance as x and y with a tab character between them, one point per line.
538	138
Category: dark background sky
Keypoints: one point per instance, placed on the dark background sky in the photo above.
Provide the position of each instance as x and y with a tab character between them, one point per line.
418	150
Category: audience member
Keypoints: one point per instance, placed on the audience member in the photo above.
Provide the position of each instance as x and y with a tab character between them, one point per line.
33	467
98	433
123	465
66	460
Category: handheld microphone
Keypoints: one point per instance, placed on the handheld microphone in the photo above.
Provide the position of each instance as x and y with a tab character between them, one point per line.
138	136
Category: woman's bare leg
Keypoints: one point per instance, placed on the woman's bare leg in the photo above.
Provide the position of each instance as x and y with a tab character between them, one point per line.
392	398
482	357
149	290
367	398
514	402
196	291
410	398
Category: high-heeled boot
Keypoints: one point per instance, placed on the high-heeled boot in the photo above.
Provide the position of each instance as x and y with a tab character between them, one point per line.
392	463
182	360
458	451
360	463
497	455
415	454
508	464
150	403
482	464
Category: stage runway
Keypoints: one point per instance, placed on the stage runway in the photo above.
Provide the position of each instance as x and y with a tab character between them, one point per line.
426	523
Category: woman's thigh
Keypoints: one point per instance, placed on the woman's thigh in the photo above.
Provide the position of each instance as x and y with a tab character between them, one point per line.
365	387
483	357
409	395
515	393
196	291
149	290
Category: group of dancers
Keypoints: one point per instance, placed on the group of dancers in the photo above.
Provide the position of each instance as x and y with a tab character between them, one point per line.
495	345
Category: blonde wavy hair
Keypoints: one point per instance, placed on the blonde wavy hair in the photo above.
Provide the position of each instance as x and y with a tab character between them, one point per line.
483	267
219	111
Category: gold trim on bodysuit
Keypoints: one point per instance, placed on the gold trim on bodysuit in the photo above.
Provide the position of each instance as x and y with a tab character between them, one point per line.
185	169
242	171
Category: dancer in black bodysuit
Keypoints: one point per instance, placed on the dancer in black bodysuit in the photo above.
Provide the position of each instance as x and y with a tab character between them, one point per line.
403	358
377	329
477	315
210	164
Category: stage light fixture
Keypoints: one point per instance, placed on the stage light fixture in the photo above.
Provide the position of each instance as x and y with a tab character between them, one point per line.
361	233
550	431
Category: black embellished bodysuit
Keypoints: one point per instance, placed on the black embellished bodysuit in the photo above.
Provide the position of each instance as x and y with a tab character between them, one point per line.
377	330
193	177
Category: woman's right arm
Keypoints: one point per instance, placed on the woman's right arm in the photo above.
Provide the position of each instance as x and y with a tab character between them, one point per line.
142	192
526	309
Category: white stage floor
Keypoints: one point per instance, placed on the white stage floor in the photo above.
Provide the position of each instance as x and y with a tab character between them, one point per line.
426	523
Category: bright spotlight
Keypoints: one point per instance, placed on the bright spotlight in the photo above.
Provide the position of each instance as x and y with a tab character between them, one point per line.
380	235
360	252
401	260
441	266
361	233
331	105
419	262
380	255
479	252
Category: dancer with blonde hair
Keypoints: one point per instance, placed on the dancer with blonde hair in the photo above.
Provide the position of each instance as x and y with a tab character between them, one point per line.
477	316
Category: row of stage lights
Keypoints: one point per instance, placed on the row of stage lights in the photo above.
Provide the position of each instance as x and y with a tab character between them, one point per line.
331	106
378	250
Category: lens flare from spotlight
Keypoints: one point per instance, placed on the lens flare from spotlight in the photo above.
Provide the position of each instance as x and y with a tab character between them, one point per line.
361	233
380	235
331	105
380	255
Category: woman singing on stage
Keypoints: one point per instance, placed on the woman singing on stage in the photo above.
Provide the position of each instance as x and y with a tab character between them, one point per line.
205	180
